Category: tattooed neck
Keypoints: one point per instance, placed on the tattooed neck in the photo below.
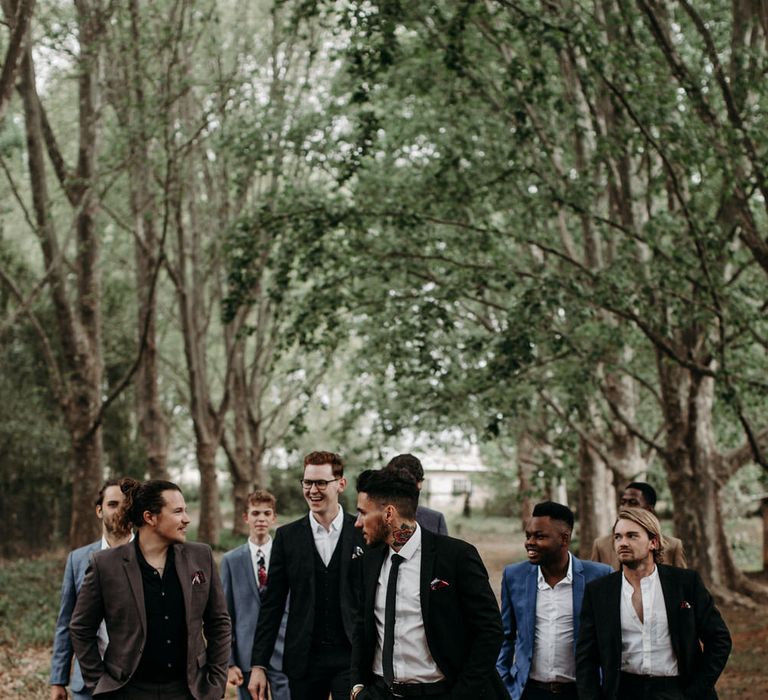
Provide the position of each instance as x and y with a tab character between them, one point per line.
401	535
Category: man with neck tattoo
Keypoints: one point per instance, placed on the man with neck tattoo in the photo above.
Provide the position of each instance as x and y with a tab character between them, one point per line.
428	624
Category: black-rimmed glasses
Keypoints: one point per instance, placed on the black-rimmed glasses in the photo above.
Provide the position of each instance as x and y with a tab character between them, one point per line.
321	484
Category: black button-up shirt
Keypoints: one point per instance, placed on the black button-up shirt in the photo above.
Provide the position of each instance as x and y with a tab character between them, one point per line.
165	652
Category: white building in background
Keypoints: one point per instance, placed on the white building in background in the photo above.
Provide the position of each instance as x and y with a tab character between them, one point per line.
452	474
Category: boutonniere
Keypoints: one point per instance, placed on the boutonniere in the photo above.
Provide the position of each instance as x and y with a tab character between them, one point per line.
357	552
438	583
198	577
685	605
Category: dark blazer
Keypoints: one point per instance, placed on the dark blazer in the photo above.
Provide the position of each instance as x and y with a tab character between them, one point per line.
113	591
432	520
519	592
292	570
694	622
461	620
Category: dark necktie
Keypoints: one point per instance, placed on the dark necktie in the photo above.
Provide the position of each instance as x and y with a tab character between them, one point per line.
261	571
387	653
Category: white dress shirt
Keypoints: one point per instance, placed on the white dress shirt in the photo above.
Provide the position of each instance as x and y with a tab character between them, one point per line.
326	539
257	551
553	658
646	647
411	659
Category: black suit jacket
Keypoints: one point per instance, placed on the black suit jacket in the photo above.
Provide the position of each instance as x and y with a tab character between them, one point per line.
292	570
461	620
693	619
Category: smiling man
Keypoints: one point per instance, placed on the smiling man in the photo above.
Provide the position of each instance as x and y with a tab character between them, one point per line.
163	605
649	630
540	605
316	560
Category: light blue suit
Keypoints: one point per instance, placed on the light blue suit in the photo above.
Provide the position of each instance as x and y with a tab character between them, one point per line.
518	615
61	659
244	603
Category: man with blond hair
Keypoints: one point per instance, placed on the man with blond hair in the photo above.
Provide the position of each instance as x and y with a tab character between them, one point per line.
648	630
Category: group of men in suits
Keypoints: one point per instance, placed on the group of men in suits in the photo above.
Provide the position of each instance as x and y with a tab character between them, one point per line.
377	606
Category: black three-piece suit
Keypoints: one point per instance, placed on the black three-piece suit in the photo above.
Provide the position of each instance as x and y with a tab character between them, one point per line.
323	599
461	618
694	622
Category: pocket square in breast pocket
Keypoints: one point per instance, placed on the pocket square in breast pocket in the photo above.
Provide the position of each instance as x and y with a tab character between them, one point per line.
198	577
438	584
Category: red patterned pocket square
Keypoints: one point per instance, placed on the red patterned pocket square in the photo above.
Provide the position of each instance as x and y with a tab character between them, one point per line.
685	605
438	583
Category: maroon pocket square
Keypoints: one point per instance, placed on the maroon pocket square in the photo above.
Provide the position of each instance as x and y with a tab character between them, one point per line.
198	577
685	605
438	583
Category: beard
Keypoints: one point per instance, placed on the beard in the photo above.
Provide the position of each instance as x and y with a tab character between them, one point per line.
379	533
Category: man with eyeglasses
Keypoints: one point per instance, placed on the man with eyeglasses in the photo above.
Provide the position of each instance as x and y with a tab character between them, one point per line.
316	560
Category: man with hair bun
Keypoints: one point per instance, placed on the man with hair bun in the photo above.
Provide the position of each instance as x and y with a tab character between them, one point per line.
649	630
163	604
429	623
108	505
540	604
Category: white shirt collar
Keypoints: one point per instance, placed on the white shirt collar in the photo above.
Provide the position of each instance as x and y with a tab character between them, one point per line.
646	580
410	547
541	583
265	548
105	544
336	523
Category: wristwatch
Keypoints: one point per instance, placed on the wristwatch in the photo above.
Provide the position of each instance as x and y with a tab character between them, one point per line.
355	691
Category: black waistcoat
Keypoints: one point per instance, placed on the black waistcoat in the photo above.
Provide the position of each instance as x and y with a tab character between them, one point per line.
329	627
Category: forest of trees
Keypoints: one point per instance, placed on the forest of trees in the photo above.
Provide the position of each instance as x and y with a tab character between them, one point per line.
234	229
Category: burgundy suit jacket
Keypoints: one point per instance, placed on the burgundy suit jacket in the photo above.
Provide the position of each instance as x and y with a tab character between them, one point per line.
113	591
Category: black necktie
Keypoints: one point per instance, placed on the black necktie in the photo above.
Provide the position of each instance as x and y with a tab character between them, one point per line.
387	652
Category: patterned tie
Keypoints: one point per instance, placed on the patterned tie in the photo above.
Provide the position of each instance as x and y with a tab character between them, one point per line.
387	653
261	571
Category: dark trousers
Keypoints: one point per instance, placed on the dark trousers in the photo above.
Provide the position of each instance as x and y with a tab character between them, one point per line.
632	687
328	674
531	692
136	690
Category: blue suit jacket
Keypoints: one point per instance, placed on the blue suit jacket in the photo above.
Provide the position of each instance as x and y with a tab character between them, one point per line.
518	615
244	604
61	660
432	520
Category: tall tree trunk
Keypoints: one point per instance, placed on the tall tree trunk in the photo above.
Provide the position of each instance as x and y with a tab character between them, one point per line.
78	324
696	476
597	507
526	468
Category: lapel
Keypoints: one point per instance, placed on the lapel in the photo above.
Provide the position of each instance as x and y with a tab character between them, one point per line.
248	573
428	557
345	543
578	596
133	574
609	608
375	557
531	592
672	598
183	571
